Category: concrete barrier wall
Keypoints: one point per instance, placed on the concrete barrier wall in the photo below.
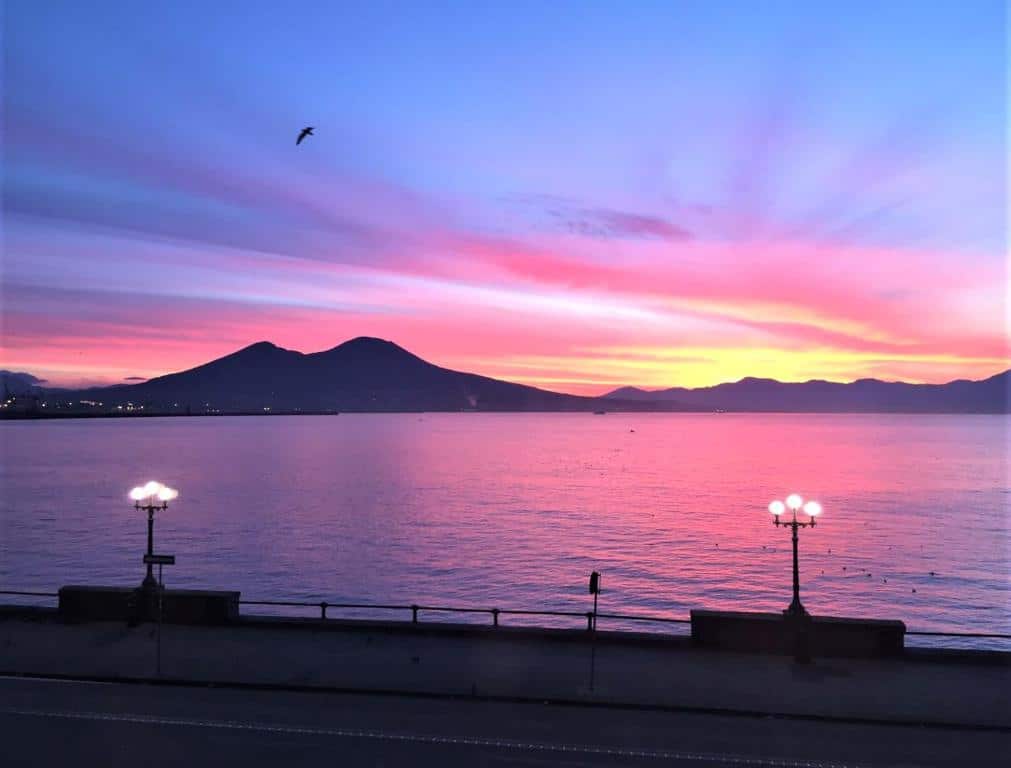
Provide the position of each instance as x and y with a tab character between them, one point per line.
193	606
719	630
79	603
780	634
178	606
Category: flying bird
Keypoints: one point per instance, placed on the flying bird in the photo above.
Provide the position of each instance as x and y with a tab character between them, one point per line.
307	131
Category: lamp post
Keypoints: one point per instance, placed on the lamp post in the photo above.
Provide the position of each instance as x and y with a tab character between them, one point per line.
151	497
812	509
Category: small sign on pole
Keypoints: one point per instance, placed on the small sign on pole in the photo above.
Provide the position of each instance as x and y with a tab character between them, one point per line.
159	559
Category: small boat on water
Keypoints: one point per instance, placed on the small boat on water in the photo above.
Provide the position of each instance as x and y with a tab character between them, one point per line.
599	413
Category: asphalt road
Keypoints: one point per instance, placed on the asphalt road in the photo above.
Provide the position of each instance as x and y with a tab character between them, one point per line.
48	722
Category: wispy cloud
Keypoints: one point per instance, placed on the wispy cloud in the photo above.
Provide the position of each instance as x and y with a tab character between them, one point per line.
605	223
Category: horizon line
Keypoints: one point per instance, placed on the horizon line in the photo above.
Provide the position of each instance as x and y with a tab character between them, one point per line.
126	382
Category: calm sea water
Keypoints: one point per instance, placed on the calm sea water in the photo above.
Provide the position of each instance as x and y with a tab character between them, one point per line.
515	510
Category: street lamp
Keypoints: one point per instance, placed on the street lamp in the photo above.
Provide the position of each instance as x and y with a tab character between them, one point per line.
151	497
794	503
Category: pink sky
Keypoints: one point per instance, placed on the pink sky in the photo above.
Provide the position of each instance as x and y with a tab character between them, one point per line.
554	311
565	202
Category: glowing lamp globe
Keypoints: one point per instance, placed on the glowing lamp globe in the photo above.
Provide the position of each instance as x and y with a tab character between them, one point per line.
777	508
812	508
167	494
794	501
152	492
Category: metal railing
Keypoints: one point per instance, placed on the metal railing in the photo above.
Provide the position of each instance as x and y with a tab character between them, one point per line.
988	635
591	618
496	614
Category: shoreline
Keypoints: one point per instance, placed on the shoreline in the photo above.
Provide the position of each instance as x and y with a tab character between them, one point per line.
160	415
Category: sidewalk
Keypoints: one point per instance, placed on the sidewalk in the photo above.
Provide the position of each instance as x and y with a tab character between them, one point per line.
941	692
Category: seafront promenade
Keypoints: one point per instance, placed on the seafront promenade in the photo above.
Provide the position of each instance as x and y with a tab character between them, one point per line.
964	689
268	691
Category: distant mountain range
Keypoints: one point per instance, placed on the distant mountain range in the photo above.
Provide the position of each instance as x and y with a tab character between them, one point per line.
363	374
862	396
367	374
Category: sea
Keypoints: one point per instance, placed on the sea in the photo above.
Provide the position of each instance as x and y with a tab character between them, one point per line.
515	511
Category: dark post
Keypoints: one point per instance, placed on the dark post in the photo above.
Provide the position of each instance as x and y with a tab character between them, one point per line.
161	589
796	612
591	622
149	580
795	606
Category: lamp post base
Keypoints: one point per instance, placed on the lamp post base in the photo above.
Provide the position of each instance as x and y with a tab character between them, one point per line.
142	603
795	609
801	622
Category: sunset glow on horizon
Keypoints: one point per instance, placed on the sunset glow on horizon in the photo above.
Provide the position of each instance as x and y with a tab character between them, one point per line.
576	198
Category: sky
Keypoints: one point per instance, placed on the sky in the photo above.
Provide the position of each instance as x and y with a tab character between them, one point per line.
577	196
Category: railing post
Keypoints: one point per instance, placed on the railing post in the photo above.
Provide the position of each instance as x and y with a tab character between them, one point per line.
414	614
494	616
322	609
589	621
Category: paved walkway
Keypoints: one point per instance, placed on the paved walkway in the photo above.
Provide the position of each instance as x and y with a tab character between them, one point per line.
504	665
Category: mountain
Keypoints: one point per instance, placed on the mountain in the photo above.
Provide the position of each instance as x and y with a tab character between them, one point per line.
367	374
990	395
18	383
363	374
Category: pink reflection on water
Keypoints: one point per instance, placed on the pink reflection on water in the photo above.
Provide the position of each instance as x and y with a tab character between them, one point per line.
515	510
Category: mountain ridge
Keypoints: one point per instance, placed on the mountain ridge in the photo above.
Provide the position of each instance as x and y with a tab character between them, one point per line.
371	374
867	395
361	374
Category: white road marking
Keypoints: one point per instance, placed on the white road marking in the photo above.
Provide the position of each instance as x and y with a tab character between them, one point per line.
469	741
56	680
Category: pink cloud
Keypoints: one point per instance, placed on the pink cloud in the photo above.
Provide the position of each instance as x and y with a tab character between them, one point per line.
328	255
